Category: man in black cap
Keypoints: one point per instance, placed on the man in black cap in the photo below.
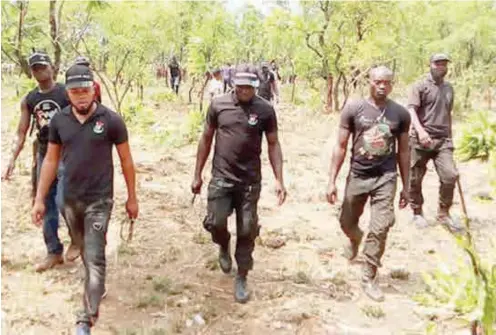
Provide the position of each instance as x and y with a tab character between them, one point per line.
81	60
430	104
238	120
85	133
41	104
267	88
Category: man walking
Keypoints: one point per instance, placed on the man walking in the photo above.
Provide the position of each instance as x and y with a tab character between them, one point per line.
430	104
42	104
267	88
175	74
81	60
85	132
238	120
377	124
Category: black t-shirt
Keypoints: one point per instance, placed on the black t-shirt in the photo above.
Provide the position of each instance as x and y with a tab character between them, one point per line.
174	69
374	135
238	139
43	106
87	152
265	89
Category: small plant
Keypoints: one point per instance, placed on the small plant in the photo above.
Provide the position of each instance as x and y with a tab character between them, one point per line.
165	96
149	301
375	312
478	138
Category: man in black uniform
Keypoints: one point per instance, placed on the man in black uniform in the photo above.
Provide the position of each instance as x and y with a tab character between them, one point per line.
267	88
86	132
175	74
42	104
238	120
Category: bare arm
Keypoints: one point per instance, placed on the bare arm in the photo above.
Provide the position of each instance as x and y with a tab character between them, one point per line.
275	154
404	158
128	171
204	149
48	171
338	154
22	130
415	120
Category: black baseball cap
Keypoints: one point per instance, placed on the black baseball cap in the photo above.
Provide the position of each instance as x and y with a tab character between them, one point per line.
438	57
78	76
81	60
39	58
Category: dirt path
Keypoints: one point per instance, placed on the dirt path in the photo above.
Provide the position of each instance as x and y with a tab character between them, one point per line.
168	274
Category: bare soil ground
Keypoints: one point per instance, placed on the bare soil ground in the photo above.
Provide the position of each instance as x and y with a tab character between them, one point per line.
167	280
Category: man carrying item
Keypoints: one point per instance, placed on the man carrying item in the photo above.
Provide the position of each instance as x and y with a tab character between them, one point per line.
81	60
84	133
377	124
430	104
42	103
238	120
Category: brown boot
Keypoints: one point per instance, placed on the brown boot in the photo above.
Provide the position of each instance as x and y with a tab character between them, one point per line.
369	283
72	253
49	262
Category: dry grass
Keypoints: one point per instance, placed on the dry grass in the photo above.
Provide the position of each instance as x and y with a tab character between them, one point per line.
169	272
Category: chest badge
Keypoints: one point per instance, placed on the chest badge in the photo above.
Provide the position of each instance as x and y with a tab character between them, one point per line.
253	119
98	128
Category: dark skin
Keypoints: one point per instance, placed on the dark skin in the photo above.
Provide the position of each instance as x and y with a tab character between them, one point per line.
438	70
380	87
82	98
44	76
244	94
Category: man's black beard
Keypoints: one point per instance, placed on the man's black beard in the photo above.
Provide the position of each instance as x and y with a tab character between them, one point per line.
84	111
436	75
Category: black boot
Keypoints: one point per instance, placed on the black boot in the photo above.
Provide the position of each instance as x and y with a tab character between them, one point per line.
225	260
82	328
241	294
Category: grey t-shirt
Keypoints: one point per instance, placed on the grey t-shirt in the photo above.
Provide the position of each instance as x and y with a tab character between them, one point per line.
433	103
374	135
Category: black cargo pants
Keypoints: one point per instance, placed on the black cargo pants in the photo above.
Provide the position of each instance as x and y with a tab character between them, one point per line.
88	224
223	197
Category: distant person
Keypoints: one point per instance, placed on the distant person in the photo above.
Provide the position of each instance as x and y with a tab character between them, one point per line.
81	60
237	121
227	75
215	86
267	88
175	74
379	127
430	104
42	104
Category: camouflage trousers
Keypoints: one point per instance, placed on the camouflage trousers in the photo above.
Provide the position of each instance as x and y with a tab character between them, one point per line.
381	191
223	198
88	224
441	154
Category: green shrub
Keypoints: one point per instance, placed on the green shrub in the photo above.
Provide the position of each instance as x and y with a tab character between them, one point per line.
478	137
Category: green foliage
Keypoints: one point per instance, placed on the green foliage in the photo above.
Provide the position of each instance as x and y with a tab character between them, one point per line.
478	137
163	96
469	290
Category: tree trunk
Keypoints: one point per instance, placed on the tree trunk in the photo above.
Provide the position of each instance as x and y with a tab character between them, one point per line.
330	79
54	34
335	93
23	10
190	92
202	93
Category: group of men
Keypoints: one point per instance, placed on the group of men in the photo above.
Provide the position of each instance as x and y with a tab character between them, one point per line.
76	134
222	81
74	125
